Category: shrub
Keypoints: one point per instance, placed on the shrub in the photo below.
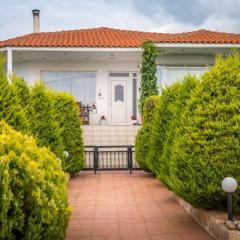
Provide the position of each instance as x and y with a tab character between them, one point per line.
161	125
206	146
21	90
10	109
43	124
33	197
142	143
149	85
185	90
68	116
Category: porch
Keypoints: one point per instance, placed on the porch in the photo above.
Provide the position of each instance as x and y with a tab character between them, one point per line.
104	81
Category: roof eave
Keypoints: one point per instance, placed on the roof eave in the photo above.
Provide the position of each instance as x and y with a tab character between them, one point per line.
75	49
199	45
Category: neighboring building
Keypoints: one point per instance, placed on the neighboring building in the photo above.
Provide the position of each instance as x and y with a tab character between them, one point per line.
101	66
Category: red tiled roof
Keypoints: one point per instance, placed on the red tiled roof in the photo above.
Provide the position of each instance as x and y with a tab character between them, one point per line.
111	38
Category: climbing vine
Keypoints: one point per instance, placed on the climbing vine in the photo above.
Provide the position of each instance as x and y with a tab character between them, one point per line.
149	85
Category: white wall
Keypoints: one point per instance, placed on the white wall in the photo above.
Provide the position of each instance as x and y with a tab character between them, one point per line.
185	59
31	72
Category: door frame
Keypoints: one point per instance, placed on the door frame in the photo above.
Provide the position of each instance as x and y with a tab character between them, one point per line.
128	96
125	82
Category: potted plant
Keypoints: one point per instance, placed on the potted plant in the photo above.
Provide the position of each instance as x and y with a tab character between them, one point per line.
134	120
103	120
94	109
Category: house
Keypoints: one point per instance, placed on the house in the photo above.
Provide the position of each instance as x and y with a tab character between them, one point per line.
101	66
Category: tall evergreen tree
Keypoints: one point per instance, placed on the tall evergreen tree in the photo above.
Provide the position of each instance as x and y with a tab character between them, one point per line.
10	109
68	116
43	124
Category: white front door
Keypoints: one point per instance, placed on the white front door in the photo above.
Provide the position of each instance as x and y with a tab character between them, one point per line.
119	101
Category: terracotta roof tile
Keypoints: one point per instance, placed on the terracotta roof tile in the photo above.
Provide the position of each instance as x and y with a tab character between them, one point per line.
111	38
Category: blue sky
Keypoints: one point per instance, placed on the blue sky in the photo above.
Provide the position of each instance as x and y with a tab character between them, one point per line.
151	15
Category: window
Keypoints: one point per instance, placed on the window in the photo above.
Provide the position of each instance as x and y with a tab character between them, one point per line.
82	85
119	95
159	75
168	75
174	74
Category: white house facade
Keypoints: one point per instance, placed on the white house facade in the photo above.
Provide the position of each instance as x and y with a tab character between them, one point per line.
101	66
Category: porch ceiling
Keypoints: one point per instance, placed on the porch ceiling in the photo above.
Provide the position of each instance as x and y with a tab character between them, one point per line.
193	50
61	56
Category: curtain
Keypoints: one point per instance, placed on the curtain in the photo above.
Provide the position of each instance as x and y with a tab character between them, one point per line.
82	85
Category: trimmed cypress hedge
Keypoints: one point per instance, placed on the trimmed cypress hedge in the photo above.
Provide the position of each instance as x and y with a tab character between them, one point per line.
68	117
21	90
43	125
10	109
161	125
33	189
206	147
167	119
142	142
195	135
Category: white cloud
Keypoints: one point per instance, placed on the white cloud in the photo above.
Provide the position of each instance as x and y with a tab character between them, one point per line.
146	15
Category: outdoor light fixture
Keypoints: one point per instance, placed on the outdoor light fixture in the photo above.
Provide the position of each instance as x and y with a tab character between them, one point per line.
229	185
66	154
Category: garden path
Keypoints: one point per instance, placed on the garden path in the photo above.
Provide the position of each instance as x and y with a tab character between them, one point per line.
117	205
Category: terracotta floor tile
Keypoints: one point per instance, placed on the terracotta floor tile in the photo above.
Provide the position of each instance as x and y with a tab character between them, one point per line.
117	205
169	236
159	227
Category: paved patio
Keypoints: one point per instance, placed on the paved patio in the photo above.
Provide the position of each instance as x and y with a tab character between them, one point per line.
117	205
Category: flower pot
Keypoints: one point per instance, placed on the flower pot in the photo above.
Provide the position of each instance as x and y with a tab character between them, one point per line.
103	122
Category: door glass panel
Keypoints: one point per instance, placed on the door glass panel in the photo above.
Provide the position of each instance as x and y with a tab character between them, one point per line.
118	74
119	96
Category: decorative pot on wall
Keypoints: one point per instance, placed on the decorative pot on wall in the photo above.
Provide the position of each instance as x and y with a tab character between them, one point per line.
134	120
103	120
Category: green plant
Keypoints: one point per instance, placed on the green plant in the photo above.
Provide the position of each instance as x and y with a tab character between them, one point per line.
43	124
142	143
161	125
21	90
176	108
33	189
68	116
10	109
206	145
149	85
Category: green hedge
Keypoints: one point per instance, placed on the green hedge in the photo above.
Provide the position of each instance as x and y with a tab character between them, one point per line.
161	125
142	144
20	89
68	116
195	135
10	109
43	124
33	196
206	147
167	120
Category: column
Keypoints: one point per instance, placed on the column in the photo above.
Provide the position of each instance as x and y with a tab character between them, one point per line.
9	63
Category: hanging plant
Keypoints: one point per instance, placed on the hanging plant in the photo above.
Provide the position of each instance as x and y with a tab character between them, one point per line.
149	85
